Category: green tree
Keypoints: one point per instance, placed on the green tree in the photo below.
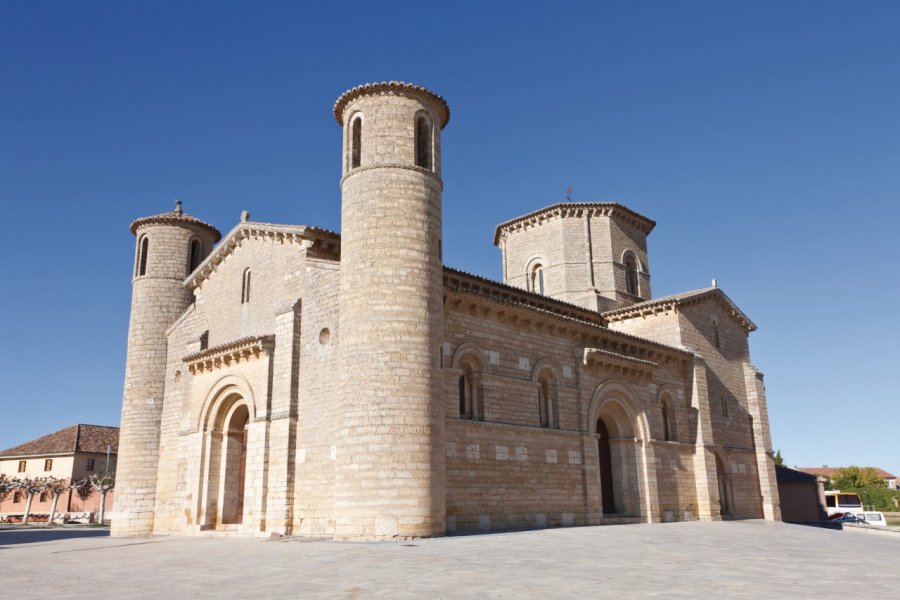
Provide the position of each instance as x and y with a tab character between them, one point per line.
779	462
855	478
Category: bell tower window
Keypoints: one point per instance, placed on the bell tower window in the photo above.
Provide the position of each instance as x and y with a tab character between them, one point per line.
423	142
142	256
356	143
631	276
195	256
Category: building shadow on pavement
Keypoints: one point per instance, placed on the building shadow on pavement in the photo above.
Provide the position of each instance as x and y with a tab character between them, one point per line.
32	536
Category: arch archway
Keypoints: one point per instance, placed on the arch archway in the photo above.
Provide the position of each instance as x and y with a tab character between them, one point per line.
225	433
620	456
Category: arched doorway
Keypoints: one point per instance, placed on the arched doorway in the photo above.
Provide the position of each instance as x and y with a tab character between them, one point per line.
225	461
234	467
606	476
619	459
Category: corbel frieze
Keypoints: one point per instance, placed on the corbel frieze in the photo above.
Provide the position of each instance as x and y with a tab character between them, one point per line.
230	353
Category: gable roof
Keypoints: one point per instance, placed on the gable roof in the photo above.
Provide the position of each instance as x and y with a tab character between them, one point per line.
574	209
77	438
685	298
315	237
830	471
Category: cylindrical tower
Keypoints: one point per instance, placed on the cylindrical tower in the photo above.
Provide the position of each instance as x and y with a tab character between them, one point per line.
390	454
169	246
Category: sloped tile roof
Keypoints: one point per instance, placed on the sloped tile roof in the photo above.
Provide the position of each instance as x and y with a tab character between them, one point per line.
636	310
77	438
787	475
830	471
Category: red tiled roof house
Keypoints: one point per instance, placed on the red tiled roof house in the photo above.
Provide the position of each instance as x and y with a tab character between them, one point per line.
70	454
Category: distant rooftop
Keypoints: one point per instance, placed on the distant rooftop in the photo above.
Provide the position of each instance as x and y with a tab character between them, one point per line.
77	438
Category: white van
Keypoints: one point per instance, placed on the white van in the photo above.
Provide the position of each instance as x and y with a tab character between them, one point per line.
837	502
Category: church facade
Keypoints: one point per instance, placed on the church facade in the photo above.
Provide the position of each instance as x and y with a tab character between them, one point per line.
287	380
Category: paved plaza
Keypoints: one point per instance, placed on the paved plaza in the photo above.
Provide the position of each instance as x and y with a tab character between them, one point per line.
678	560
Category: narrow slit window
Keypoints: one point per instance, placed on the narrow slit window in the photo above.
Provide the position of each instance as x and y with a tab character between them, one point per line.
423	142
725	406
356	143
142	256
667	425
245	288
462	396
716	335
546	408
536	279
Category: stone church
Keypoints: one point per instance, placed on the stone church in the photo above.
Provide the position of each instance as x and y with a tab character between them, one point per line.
289	380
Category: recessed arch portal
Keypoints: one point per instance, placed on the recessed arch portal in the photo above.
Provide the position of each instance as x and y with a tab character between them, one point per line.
225	430
618	431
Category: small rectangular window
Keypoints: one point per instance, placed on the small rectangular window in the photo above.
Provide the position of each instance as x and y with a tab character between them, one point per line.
22	464
48	464
829	501
17	497
90	465
44	497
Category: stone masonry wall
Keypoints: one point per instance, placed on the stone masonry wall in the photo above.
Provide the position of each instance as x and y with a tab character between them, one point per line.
158	298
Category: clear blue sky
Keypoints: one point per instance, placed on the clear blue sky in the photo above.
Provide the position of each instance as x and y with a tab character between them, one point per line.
764	138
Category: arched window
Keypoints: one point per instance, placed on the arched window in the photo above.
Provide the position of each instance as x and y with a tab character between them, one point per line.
245	287
467	396
469	392
195	255
536	279
667	420
631	275
142	256
356	143
546	405
423	142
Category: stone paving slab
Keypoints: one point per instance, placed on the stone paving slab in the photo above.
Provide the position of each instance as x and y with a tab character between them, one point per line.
742	559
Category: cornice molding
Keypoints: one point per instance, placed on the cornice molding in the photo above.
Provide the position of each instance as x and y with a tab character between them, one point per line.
573	210
391	88
234	352
672	303
614	362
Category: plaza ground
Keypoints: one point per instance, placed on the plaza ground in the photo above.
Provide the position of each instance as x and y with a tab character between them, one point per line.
741	559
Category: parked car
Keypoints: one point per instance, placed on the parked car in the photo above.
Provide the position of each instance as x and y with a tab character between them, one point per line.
875	518
847	518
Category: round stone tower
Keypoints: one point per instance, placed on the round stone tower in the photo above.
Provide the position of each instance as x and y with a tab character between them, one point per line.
169	246
390	453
